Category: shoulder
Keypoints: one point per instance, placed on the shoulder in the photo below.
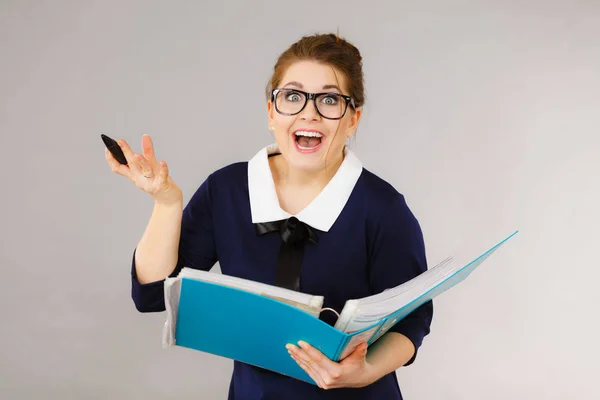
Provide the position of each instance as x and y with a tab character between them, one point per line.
386	208
236	170
378	193
389	215
222	180
230	175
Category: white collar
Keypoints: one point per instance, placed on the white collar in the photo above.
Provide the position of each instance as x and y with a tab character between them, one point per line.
322	212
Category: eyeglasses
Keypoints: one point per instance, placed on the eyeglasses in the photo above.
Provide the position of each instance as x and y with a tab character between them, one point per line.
329	105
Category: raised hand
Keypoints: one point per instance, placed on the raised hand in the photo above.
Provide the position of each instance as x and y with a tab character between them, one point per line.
146	172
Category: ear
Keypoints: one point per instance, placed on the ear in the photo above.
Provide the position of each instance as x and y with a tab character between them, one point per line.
270	110
355	119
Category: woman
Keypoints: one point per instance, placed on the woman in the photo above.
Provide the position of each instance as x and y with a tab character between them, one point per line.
357	235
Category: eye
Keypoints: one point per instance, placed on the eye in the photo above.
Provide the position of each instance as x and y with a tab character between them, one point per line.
330	99
293	96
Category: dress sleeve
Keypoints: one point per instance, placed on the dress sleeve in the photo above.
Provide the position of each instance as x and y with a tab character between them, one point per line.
196	250
399	255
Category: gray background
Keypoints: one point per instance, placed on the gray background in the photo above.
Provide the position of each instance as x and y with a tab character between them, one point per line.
484	114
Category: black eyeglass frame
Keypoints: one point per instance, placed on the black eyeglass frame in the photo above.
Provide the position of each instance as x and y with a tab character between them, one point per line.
308	96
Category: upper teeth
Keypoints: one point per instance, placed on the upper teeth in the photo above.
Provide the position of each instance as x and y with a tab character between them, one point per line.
309	134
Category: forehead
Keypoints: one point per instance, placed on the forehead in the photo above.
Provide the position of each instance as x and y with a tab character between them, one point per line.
314	76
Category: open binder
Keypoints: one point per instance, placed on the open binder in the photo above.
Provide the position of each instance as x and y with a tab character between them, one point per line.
252	322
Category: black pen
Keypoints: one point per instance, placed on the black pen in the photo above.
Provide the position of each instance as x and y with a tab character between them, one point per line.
114	149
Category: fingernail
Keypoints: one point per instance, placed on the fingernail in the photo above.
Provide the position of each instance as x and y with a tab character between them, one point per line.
302	344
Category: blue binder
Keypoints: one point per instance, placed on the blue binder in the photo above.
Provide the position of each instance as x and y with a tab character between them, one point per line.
253	329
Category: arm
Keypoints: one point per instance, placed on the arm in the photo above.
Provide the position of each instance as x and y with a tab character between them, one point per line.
398	255
173	239
156	253
389	353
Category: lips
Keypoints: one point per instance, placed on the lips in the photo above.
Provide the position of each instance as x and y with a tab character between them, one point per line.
308	140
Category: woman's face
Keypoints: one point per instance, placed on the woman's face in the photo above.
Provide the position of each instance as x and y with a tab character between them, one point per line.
305	139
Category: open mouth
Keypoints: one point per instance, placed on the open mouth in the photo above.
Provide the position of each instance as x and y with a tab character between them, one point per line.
308	141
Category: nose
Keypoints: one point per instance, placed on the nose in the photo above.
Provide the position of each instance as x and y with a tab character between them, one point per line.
310	111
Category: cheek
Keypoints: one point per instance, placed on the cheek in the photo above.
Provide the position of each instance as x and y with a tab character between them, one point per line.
342	132
282	129
282	125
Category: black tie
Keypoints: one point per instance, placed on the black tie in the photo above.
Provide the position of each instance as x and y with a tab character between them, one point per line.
294	235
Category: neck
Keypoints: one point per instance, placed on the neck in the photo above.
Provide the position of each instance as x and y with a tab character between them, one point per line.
294	178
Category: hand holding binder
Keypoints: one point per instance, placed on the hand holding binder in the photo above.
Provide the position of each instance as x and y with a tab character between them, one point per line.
352	371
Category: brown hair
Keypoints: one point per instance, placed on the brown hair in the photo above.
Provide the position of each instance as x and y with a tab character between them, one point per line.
329	49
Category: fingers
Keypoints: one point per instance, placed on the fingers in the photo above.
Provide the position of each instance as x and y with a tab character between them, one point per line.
317	356
311	372
130	156
324	371
145	168
163	172
116	166
305	362
148	151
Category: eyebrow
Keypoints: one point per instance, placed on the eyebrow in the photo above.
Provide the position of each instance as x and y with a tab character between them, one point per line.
325	87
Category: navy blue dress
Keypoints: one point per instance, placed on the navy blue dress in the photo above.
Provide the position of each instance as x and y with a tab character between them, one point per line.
368	241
